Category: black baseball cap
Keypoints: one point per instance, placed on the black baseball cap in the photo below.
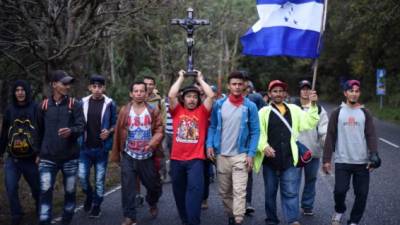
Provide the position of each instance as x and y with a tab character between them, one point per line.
61	76
304	83
97	79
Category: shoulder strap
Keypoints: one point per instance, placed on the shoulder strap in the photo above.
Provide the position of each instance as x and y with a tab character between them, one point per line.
282	118
45	104
71	102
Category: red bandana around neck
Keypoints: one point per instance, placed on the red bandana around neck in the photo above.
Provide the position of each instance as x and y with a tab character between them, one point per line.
236	100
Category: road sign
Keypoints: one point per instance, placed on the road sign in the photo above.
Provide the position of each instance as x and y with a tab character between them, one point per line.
380	82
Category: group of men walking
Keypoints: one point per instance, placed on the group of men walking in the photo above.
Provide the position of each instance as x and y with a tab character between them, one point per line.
72	136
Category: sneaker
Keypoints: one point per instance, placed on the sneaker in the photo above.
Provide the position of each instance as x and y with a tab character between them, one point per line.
249	209
153	211
308	212
139	200
238	220
336	218
96	212
129	221
204	204
87	206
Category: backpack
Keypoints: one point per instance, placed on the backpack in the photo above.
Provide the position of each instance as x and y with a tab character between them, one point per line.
21	138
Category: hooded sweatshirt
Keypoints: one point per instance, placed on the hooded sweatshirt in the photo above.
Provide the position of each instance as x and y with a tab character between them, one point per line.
351	135
28	110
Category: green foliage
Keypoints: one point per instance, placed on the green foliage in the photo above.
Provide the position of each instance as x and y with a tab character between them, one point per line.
388	113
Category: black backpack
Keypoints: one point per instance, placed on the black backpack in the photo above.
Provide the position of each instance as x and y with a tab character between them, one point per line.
21	138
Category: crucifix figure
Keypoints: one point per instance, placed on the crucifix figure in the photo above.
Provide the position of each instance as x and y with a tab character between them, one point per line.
189	24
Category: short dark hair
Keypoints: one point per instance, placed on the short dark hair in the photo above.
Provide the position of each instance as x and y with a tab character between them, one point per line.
236	75
137	83
150	78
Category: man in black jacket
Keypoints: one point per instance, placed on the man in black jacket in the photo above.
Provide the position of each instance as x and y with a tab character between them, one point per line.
60	122
20	160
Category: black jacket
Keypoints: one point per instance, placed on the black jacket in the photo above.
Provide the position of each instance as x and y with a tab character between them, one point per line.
50	120
16	111
279	139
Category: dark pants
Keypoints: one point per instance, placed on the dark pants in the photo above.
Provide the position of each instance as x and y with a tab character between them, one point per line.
145	169
310	180
249	187
14	168
48	172
288	182
343	174
207	177
187	185
98	158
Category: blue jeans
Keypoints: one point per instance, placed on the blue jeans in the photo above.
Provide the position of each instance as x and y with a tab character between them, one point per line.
48	172
98	158
310	174
188	186
13	169
288	181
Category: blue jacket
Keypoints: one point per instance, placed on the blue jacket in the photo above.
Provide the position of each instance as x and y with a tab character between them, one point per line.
108	119
249	129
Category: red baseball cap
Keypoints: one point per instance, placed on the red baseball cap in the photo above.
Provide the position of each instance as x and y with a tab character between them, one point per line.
275	83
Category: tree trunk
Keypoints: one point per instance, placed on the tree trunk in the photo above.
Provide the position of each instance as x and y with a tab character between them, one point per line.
112	60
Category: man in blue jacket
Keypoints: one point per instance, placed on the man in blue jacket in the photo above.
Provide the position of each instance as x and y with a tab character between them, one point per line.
100	116
233	136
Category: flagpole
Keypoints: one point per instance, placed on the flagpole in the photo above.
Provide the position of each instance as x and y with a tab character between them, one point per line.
316	62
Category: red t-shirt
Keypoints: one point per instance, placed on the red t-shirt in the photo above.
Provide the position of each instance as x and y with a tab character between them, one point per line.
190	129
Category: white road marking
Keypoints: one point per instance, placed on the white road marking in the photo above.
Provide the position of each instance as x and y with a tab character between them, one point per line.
58	219
389	143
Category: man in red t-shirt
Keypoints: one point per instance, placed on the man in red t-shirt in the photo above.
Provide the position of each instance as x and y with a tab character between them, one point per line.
190	122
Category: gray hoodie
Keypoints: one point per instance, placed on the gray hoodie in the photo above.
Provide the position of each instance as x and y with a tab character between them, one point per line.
315	139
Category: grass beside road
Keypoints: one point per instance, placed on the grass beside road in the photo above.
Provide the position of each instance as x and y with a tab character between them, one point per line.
112	180
387	113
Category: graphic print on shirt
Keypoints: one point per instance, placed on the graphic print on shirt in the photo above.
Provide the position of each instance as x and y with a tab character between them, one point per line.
351	122
139	135
188	130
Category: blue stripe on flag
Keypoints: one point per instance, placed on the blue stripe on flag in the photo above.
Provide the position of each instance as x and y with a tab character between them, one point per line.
281	2
272	41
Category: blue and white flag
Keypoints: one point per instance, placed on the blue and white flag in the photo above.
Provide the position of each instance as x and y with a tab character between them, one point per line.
285	27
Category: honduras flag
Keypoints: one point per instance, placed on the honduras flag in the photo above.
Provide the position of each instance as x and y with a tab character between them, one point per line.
285	27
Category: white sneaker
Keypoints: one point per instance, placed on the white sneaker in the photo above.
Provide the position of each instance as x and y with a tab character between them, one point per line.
336	218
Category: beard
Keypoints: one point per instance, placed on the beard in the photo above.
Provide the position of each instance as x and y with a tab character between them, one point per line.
352	102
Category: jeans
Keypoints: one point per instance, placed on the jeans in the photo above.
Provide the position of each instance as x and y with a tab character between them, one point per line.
343	174
187	185
207	177
310	174
98	158
13	169
249	188
288	181
144	169
165	163
48	172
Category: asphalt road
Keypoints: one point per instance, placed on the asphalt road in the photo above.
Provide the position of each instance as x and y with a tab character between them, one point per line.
382	209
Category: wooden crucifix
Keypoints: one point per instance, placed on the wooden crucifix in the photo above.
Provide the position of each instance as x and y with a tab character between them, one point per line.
190	24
